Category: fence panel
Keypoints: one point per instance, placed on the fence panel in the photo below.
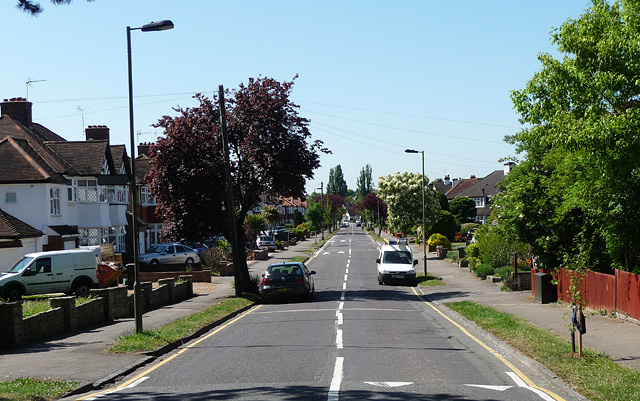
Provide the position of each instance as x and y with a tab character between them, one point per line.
628	292
601	291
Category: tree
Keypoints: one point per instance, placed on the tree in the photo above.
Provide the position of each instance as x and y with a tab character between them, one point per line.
271	215
444	202
445	225
364	183
336	184
377	207
463	208
334	208
314	216
402	192
574	197
269	155
255	224
34	8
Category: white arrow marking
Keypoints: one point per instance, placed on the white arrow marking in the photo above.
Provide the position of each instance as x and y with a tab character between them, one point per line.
325	253
497	388
522	384
389	384
343	240
340	251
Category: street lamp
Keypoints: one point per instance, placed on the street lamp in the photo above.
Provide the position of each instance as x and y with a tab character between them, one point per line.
137	299
424	231
322	207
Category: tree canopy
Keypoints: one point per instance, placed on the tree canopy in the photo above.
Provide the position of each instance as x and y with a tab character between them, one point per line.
34	8
336	184
364	183
269	154
463	208
402	193
575	195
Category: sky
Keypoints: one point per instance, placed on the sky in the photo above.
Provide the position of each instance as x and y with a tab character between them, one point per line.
375	77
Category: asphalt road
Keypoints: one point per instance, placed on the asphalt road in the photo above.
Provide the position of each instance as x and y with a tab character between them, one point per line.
356	340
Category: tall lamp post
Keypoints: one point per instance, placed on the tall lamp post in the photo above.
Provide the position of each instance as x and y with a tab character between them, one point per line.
137	299
424	231
322	207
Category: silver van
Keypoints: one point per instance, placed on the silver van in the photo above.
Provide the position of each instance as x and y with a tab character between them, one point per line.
50	272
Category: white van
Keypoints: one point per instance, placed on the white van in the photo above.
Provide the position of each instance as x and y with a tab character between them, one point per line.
49	272
396	264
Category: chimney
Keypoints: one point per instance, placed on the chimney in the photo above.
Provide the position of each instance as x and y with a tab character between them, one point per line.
143	149
508	166
473	176
17	108
447	180
455	182
97	133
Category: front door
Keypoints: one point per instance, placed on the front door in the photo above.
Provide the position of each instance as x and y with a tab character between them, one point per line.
41	279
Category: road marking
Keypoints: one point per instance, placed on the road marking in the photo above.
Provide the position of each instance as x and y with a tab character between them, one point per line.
347	271
389	384
341	305
334	388
340	251
515	370
342	296
339	339
142	375
325	253
345	277
497	388
340	319
522	384
344	286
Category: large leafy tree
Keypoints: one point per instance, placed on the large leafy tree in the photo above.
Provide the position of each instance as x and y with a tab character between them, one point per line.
575	196
364	183
377	209
402	193
269	152
463	208
337	185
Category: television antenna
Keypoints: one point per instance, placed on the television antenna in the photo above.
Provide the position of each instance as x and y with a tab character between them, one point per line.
81	110
30	81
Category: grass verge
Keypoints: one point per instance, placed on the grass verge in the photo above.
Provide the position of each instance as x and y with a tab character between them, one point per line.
593	375
26	389
178	329
298	259
37	304
429	281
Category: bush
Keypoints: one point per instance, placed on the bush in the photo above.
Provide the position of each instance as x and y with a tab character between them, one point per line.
483	270
452	256
473	250
446	225
505	272
473	262
439	239
212	257
496	246
468	226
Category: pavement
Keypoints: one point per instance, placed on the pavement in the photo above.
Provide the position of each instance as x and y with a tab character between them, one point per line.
82	357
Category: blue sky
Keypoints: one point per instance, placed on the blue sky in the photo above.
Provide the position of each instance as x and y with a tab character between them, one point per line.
375	77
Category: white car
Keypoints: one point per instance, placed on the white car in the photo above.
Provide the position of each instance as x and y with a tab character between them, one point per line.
396	264
265	241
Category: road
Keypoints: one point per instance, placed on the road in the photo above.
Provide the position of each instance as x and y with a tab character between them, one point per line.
356	340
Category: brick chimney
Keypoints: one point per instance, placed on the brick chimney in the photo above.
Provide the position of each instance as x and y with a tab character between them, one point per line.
143	148
447	180
508	166
17	108
97	133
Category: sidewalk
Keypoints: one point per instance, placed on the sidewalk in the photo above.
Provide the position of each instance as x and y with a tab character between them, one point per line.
620	339
82	357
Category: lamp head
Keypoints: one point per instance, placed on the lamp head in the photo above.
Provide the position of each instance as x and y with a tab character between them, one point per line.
157	26
410	151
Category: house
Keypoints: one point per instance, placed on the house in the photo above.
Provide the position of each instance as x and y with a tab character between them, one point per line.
17	238
484	190
54	186
149	223
287	206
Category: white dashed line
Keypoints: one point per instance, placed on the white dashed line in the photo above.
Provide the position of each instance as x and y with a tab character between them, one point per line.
334	388
340	319
345	277
344	286
342	296
339	339
340	305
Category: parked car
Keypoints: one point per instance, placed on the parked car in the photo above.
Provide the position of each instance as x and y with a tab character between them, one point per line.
169	254
396	264
287	280
344	224
279	230
199	247
265	241
48	272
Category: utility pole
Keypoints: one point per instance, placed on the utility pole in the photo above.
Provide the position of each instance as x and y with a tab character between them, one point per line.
229	194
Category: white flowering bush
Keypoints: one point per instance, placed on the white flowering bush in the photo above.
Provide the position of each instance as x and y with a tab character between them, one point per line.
402	193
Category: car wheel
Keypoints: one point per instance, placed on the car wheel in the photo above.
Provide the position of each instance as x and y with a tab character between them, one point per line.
154	262
83	289
189	263
13	293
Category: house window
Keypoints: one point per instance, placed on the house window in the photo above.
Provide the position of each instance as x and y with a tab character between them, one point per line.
479	202
71	191
54	201
87	191
145	197
89	236
10	197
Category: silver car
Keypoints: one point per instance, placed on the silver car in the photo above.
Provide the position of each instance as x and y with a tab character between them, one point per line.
169	254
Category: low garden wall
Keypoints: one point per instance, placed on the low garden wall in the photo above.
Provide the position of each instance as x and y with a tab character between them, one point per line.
65	317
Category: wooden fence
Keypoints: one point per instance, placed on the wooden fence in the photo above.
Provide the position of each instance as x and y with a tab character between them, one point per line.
619	292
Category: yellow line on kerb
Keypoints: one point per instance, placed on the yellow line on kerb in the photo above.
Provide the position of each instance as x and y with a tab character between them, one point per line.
492	351
185	349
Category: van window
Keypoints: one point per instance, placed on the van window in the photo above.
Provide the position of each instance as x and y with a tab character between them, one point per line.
397	257
21	264
42	265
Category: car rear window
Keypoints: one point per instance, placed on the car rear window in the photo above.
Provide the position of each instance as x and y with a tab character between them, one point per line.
284	271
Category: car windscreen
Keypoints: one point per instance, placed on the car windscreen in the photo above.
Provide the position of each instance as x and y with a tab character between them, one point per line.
21	264
402	257
156	249
282	270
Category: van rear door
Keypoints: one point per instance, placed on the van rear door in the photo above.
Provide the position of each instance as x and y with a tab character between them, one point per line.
63	268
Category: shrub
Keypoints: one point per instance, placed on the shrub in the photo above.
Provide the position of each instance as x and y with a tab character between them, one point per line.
304	227
212	257
505	272
452	256
446	225
468	226
483	270
439	239
473	262
473	250
496	246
